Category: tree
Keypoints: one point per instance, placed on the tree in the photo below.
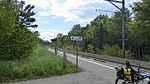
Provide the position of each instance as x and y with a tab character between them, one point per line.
100	31
37	33
25	16
89	37
76	30
59	35
140	28
16	42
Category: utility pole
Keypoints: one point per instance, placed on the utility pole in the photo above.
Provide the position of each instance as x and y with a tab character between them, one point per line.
123	21
123	26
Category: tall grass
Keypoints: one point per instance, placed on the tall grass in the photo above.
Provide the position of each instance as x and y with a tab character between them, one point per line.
44	64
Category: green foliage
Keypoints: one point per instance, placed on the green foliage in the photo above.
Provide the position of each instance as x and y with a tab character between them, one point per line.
90	48
80	48
114	50
16	42
64	41
97	50
44	64
20	44
129	54
69	47
25	16
140	28
147	58
89	35
37	33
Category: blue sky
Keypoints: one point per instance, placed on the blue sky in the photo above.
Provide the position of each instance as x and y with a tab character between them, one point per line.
59	16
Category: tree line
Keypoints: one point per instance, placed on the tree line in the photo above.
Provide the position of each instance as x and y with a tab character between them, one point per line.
103	33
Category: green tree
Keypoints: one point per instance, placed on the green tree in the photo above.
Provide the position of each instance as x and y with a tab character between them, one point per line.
140	28
37	33
16	42
76	30
25	15
100	30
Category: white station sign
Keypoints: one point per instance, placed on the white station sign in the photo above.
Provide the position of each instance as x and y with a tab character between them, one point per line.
76	38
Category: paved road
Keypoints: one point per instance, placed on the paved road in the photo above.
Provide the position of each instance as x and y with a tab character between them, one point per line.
80	78
95	72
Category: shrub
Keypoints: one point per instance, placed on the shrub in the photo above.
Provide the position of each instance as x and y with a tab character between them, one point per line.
16	42
90	48
147	58
115	50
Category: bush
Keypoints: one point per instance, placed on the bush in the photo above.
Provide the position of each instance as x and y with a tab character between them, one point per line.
129	54
97	50
16	42
147	58
90	48
69	47
115	50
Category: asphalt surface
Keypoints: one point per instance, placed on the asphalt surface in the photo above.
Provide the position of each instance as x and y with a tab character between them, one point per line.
94	72
79	78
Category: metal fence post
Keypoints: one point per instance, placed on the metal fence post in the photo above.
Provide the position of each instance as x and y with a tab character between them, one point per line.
55	50
77	60
65	60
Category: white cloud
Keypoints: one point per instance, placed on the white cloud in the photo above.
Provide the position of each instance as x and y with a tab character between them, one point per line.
39	3
74	10
43	13
71	10
46	36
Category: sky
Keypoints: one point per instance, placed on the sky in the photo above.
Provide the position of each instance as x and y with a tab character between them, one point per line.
59	16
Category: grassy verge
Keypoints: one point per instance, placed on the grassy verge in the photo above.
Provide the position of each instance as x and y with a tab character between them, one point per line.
44	64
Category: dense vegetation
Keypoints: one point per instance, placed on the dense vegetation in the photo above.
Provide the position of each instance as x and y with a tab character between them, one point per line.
44	64
102	34
16	41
